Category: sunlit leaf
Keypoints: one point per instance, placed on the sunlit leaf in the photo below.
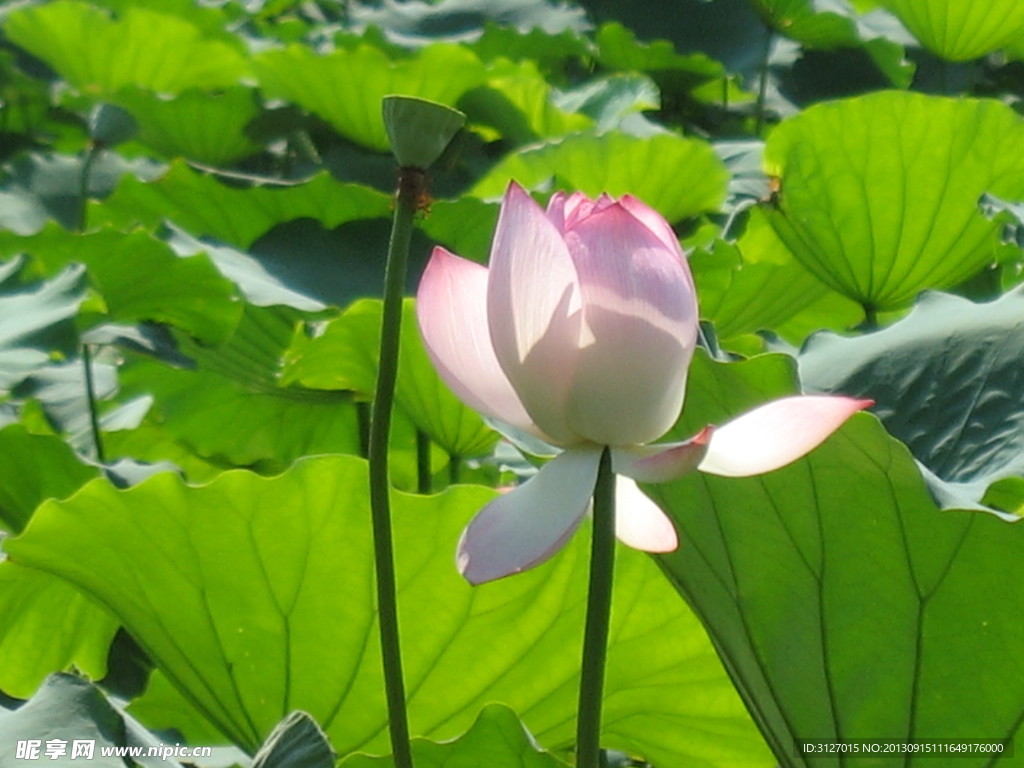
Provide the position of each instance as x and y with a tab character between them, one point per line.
203	127
679	177
48	626
255	596
757	285
203	205
99	54
879	194
345	87
497	740
345	357
959	30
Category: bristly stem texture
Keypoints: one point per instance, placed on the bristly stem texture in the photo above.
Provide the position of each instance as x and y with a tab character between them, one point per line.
599	605
410	181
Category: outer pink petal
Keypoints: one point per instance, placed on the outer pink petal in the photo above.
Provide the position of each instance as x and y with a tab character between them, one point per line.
640	327
662	462
533	308
776	433
639	522
451	306
528	525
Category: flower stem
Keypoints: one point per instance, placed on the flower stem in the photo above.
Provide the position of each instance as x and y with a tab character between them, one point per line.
423	475
599	604
90	397
762	86
410	180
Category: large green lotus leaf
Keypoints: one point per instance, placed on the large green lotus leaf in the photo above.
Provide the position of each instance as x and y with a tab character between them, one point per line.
345	87
141	278
756	285
879	194
202	205
843	602
231	408
255	597
36	468
618	48
204	127
48	626
959	30
345	357
679	177
947	381
518	102
101	55
497	740
36	319
465	226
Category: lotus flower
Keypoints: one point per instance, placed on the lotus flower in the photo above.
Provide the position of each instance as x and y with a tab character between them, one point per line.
580	333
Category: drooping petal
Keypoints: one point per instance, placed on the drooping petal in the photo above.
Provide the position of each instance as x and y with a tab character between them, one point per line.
776	433
640	327
526	526
533	308
639	522
662	462
451	307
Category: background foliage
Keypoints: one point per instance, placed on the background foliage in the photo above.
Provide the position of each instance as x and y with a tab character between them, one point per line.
194	206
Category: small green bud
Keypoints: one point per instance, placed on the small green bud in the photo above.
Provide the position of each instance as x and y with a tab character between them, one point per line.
110	125
419	130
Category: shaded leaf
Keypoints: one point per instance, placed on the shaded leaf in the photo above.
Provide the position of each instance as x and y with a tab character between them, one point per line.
35	320
420	23
38	188
36	468
141	278
947	381
68	708
295	742
843	602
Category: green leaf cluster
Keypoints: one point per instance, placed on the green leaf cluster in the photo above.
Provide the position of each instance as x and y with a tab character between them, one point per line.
194	205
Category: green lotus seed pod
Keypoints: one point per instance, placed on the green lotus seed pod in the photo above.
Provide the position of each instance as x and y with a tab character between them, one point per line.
419	130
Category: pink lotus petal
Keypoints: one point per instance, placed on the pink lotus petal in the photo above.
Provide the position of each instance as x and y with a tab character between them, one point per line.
654	221
662	462
640	330
525	527
451	308
776	433
533	309
639	522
